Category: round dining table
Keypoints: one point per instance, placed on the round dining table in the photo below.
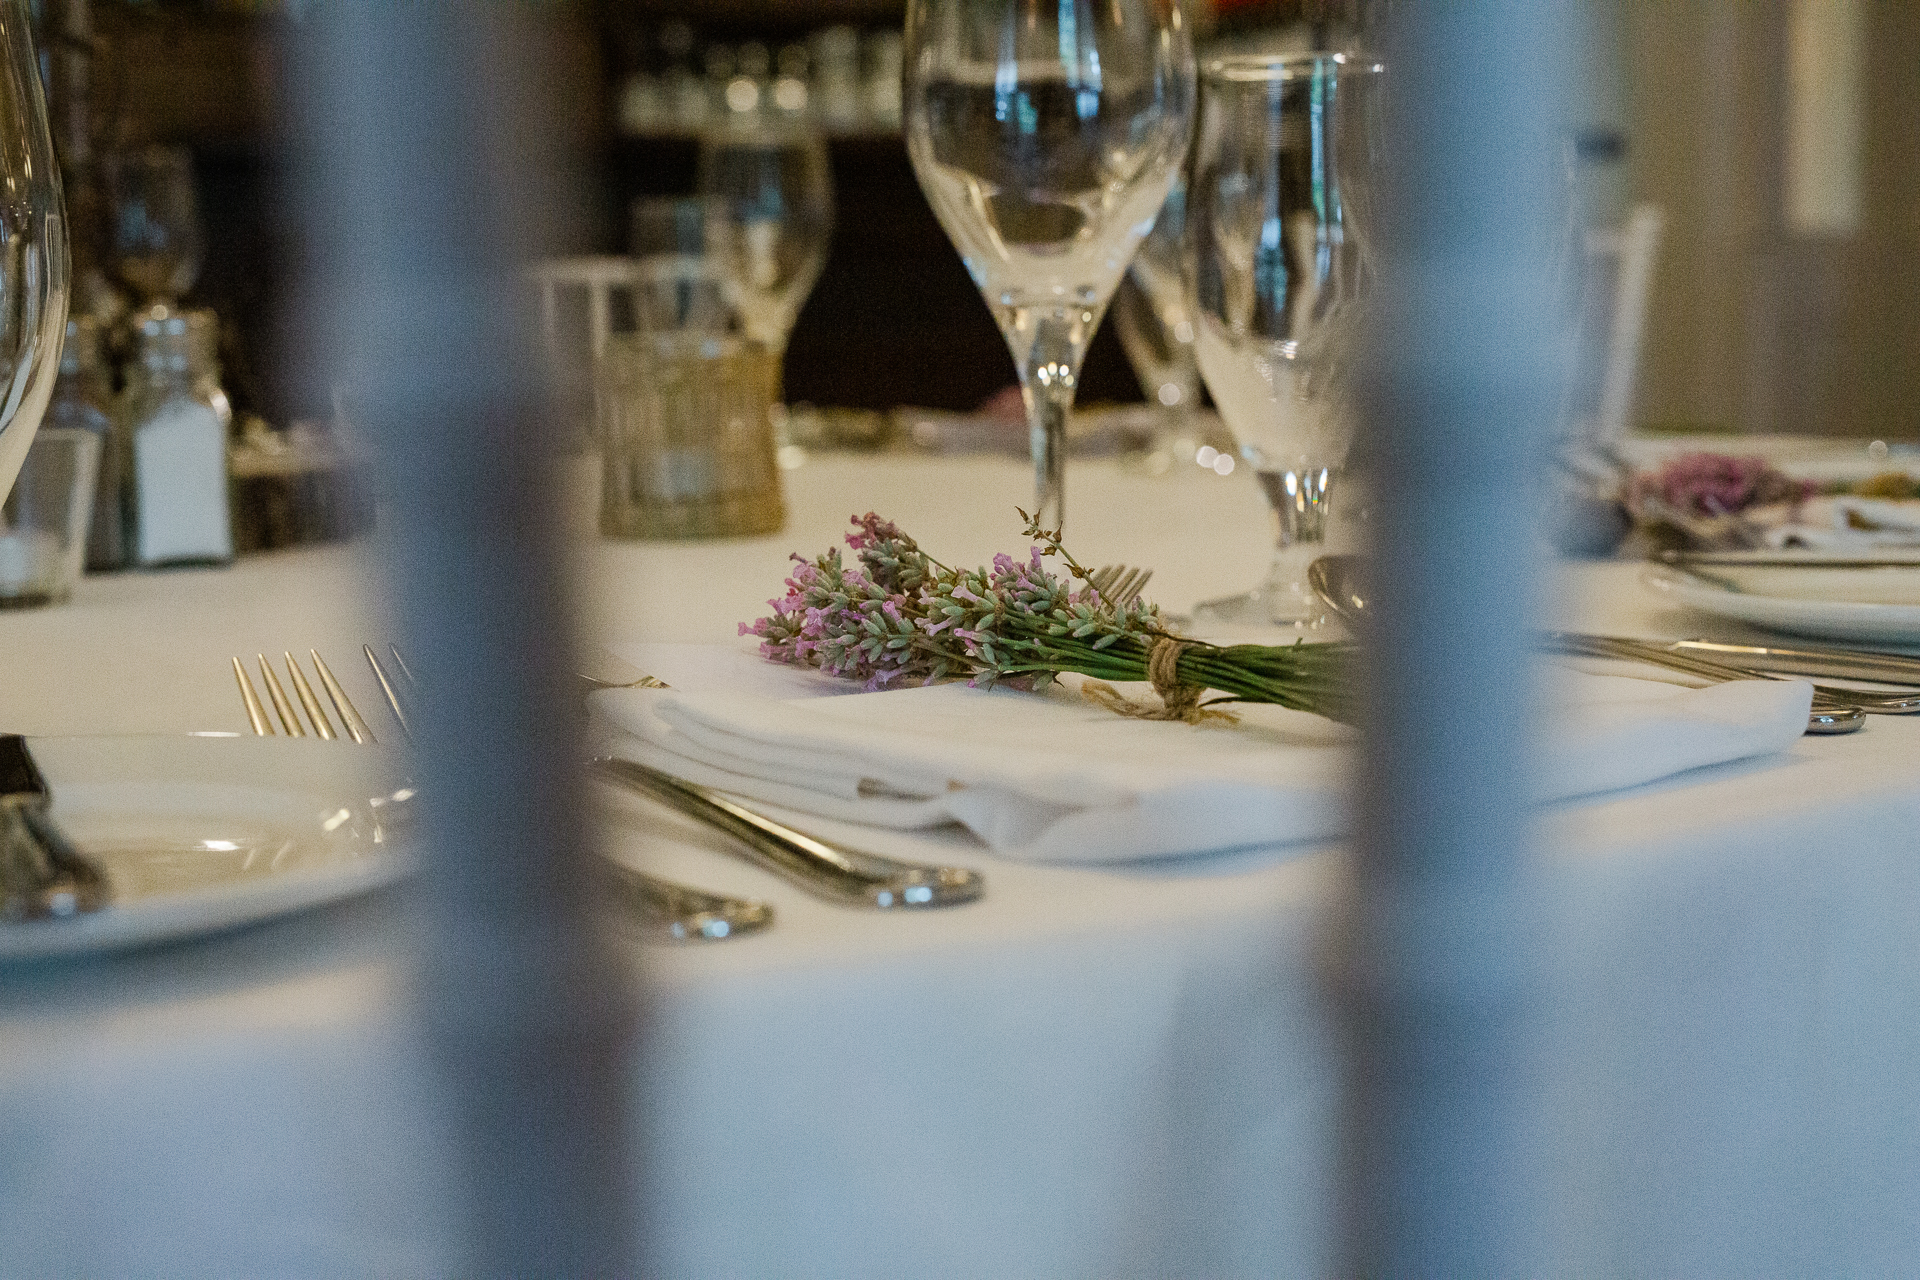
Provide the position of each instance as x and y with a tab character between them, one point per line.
1093	1071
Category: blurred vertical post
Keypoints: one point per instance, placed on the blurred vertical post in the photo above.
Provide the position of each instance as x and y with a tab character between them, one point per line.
1434	960
433	163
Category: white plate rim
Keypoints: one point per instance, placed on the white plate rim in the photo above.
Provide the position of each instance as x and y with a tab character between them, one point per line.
171	917
1860	619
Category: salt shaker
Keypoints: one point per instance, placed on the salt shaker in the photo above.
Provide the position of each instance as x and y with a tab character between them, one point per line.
81	399
179	511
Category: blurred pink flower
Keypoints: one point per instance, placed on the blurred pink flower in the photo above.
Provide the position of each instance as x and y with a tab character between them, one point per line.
1715	484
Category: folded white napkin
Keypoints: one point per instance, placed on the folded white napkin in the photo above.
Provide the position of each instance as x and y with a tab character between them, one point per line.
1053	778
1847	524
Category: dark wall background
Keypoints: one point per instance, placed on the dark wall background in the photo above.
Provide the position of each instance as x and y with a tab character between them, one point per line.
893	320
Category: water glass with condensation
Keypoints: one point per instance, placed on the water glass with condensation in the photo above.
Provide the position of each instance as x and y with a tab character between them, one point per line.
685	422
44	522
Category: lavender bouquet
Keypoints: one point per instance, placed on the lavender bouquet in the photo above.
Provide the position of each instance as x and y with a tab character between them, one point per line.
899	615
1715	484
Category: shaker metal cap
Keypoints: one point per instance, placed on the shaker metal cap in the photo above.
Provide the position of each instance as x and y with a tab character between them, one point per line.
165	338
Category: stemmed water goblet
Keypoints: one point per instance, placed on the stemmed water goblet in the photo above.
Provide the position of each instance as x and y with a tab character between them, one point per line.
33	251
157	241
769	217
1046	134
1277	272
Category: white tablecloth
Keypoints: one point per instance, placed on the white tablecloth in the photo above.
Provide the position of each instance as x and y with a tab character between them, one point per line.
1093	1072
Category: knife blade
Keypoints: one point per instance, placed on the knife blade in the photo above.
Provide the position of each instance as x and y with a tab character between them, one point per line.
1896	558
1839	664
41	874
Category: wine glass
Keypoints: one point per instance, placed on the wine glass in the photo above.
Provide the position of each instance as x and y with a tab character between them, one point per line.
1046	134
769	203
157	241
1277	271
33	248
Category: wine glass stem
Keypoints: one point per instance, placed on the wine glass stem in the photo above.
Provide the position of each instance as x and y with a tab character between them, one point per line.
1047	438
1055	342
1300	505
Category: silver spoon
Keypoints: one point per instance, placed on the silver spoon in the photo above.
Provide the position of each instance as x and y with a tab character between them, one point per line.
1340	582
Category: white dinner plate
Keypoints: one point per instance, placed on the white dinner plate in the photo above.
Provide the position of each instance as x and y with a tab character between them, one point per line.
203	833
1877	604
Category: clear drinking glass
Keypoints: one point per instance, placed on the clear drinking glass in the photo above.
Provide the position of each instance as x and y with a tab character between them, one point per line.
1277	270
685	422
44	521
33	248
769	207
157	240
1046	134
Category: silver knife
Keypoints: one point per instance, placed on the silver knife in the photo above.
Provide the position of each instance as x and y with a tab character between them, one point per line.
1840	664
41	874
1909	558
849	877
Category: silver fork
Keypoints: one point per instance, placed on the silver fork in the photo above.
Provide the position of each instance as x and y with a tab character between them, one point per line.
849	877
350	722
1119	585
672	912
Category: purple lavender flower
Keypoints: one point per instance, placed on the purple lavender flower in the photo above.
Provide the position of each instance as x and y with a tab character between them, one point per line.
899	614
1712	484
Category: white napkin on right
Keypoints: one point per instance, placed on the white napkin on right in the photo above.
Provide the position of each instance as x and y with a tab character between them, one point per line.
1851	524
1053	778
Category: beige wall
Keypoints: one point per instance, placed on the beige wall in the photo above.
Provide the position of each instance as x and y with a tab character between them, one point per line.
1752	327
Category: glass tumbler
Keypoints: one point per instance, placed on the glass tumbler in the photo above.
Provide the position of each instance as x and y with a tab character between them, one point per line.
44	521
685	422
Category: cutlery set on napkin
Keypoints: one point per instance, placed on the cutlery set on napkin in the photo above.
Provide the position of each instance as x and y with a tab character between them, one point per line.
1054	778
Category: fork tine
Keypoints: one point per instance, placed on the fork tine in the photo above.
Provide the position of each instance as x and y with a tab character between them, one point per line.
321	725
289	718
349	715
1118	584
401	662
386	687
256	714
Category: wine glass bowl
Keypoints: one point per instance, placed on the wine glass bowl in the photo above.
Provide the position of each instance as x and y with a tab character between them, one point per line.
1277	273
769	218
157	239
1046	134
33	249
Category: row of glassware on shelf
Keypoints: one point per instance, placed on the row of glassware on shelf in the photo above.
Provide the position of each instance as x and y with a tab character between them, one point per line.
843	80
